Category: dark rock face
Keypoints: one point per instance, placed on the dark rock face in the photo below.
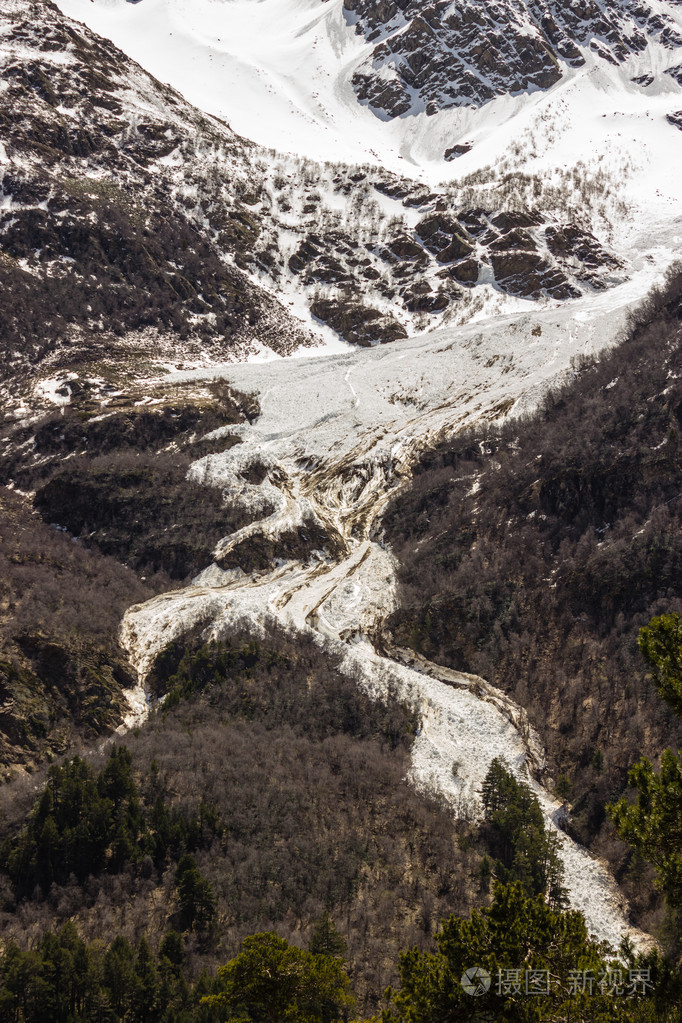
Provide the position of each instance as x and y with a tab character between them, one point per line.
357	324
529	275
317	260
530	258
405	248
442	235
438	55
425	271
458	150
420	298
572	243
676	73
465	272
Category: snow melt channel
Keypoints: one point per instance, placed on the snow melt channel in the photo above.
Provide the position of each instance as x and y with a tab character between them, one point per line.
336	453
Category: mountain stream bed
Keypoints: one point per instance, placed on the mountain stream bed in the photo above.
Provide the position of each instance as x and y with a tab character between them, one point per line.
335	439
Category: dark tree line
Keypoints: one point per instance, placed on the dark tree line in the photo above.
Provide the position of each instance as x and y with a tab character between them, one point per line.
86	822
653	824
270	980
533	963
286	785
66	980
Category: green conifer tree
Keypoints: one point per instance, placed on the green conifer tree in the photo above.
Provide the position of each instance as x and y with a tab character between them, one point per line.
653	824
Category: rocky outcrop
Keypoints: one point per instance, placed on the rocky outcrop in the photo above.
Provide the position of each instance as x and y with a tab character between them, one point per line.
457	150
580	250
93	240
529	275
466	272
421	298
442	235
438	55
426	270
356	323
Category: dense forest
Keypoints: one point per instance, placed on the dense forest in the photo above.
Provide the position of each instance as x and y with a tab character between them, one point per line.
66	980
532	553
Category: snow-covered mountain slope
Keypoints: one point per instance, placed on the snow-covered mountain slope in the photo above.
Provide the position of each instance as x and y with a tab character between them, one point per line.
594	150
274	70
286	72
113	187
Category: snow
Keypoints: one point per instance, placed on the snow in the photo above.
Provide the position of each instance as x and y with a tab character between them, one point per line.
278	71
56	390
138	704
337	436
595	150
263	67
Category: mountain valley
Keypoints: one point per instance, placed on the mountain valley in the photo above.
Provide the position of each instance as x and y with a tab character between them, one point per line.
339	457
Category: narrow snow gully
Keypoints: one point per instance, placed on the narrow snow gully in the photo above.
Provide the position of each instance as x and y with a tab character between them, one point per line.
333	455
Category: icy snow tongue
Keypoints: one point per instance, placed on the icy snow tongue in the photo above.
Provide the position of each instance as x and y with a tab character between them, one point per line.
335	439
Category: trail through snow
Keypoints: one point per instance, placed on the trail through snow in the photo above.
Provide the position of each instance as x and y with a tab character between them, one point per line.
337	436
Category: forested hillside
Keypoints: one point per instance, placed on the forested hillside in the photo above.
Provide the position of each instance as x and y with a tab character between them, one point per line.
116	481
532	554
285	785
265	793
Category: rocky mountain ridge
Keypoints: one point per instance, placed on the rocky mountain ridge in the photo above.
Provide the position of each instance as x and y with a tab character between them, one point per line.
96	261
430	57
132	226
